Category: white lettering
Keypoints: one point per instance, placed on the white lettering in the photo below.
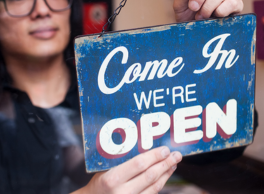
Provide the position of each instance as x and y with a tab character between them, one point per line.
155	66
143	98
101	74
148	131
174	95
227	121
107	130
175	63
185	123
155	98
187	93
135	71
217	51
181	124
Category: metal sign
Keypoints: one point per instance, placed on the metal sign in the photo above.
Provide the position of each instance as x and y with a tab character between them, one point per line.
189	86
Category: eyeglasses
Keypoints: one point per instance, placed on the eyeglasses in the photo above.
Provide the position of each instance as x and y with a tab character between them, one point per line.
21	8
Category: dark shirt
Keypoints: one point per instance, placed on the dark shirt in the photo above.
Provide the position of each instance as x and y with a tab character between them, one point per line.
31	141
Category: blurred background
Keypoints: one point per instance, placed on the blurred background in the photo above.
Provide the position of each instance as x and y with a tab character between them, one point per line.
22	165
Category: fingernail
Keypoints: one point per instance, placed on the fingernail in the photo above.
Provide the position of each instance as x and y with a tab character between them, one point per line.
199	17
165	152
194	6
174	167
177	156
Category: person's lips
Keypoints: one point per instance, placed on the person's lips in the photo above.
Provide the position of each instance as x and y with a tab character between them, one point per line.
44	33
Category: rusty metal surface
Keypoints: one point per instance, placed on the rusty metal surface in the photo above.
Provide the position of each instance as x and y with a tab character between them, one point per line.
188	86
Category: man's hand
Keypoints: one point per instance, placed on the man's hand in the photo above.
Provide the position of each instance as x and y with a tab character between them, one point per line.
145	174
186	10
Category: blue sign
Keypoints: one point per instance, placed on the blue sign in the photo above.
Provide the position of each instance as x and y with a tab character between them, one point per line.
189	86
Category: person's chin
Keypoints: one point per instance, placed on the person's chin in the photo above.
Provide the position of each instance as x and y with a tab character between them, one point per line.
48	49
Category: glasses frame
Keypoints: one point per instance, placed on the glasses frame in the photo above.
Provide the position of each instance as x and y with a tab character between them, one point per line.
33	7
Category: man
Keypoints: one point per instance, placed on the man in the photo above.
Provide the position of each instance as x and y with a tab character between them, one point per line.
39	98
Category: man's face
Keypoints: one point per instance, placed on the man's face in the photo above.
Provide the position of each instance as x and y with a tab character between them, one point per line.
42	34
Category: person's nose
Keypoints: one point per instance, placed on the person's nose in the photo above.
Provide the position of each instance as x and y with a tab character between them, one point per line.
40	10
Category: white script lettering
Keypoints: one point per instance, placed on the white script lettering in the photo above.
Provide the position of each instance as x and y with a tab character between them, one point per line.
217	51
152	68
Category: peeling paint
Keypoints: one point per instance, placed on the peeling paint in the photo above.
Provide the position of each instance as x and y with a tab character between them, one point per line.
198	151
253	49
241	142
81	92
251	81
189	25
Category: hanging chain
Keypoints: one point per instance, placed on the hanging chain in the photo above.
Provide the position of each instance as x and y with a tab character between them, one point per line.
113	17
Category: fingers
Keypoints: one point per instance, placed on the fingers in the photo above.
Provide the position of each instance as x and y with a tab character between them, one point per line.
207	9
158	185
195	5
180	6
228	7
145	173
182	12
156	173
137	165
220	8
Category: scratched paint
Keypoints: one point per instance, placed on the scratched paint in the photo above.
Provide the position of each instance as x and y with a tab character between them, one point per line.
185	40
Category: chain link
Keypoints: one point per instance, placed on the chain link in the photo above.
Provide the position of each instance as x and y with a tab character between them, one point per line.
113	17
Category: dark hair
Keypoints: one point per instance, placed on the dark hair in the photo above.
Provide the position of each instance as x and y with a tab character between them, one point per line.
76	28
76	21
